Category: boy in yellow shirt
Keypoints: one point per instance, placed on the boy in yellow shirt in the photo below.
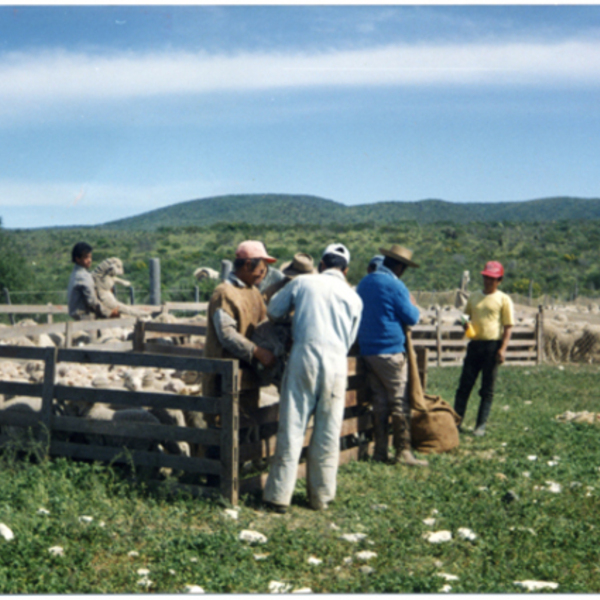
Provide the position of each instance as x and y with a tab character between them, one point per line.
492	316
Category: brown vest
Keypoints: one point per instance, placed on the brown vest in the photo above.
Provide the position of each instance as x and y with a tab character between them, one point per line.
247	307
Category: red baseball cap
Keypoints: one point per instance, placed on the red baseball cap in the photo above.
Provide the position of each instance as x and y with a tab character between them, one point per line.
493	269
253	249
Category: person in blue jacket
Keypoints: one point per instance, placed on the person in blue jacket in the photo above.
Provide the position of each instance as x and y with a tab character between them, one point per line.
388	307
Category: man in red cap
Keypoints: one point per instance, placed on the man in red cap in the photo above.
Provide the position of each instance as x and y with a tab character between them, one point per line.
491	313
234	310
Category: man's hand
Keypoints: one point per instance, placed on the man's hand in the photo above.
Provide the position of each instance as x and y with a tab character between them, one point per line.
412	300
264	356
501	355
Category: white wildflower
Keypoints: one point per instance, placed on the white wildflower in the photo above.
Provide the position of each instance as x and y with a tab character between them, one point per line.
252	537
365	555
56	551
353	537
561	368
554	487
429	522
6	532
552	463
506	407
277	587
347	560
302	591
526	474
483	488
528	402
43	511
448	576
172	572
366	570
466	534
85	519
334	527
438	537
504	444
194	559
434	512
533	586
313	560
532	457
261	556
133	554
379	507
193	589
145	582
446	588
143	572
230	513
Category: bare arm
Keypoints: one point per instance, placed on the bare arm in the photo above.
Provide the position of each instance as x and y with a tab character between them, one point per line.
505	339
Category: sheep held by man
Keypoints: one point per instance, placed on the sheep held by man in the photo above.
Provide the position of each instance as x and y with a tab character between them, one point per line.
105	276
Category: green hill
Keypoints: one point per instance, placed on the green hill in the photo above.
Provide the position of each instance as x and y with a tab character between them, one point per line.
283	209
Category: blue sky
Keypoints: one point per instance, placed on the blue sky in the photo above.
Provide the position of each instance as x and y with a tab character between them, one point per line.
111	111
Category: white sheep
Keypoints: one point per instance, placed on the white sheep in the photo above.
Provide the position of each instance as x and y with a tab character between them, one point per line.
105	276
206	273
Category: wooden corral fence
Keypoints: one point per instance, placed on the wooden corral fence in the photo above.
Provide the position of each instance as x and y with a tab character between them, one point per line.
447	345
150	349
357	422
63	434
69	328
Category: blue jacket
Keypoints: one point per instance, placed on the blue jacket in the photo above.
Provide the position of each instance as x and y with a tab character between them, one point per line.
386	308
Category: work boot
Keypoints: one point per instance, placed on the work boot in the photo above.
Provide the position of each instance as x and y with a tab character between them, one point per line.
404	455
381	437
280	509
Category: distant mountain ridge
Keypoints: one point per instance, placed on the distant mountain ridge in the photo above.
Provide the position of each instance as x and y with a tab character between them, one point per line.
289	209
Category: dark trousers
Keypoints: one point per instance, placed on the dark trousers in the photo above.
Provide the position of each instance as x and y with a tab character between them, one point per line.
482	357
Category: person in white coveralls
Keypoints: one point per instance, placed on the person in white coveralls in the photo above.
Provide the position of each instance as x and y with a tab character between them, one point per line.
325	322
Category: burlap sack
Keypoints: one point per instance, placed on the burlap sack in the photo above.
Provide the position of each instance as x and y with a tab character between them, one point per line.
434	430
434	424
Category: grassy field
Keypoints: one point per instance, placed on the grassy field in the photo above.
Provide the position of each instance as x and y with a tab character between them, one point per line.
539	535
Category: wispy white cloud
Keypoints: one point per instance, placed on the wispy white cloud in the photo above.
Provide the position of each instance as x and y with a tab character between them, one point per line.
80	197
60	76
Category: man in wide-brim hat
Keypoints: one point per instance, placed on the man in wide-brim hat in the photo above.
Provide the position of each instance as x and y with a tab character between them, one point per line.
301	264
388	309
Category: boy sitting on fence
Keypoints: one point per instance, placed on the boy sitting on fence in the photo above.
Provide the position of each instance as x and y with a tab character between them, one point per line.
491	314
82	299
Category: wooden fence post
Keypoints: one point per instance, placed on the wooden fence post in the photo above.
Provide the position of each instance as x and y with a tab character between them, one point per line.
155	281
438	334
48	394
226	266
11	316
230	433
539	331
138	336
68	334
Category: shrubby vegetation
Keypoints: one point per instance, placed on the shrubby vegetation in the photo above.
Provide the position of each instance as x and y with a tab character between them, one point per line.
559	257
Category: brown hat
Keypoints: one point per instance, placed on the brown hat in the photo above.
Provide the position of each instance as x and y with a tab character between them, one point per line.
302	264
400	254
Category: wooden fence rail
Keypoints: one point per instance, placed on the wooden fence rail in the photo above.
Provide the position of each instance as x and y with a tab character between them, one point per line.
63	434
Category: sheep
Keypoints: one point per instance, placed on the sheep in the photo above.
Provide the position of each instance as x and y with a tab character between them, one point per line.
105	277
206	273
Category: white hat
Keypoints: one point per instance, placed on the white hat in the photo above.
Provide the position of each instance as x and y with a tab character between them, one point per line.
338	250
